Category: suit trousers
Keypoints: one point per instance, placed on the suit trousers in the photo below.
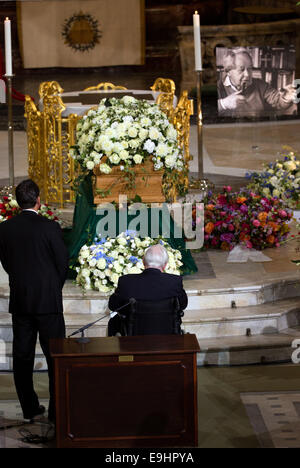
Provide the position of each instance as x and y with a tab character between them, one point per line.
26	328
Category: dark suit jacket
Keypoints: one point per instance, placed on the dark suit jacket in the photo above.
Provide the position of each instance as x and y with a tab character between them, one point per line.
150	285
35	257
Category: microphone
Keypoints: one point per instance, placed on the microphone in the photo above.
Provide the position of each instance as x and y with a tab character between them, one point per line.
131	302
81	330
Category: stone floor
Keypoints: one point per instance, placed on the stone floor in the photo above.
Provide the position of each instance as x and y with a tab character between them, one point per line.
238	407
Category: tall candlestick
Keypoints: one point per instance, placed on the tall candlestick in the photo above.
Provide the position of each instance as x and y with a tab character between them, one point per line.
8	55
197	42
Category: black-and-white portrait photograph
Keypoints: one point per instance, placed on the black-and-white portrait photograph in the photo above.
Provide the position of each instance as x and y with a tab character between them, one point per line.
256	81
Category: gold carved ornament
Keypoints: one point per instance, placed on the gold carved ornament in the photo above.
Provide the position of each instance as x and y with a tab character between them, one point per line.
164	85
177	182
104	86
50	137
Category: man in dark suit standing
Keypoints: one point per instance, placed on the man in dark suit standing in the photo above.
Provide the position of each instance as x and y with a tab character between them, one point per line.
150	285
35	257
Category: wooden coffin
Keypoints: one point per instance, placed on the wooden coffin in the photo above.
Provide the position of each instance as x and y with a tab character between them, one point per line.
146	183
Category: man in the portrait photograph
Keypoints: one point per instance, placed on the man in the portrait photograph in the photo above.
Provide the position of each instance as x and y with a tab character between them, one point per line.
241	94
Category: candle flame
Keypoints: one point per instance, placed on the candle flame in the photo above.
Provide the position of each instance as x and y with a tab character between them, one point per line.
196	12
7	19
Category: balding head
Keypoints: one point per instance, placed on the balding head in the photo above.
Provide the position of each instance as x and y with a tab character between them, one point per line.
156	256
238	66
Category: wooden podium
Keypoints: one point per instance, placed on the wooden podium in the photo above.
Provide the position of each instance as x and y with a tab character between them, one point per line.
135	391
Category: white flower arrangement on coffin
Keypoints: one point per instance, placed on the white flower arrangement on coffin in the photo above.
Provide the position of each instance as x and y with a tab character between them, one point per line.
102	263
280	179
124	132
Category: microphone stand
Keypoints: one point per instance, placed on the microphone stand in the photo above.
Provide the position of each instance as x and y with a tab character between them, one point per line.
84	339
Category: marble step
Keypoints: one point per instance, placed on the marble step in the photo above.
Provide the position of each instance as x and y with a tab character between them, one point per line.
228	351
92	302
243	350
269	318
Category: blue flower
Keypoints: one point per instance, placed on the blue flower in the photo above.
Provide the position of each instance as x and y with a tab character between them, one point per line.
99	255
109	260
130	232
133	259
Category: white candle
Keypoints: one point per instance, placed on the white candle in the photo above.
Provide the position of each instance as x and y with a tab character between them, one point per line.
197	42
8	55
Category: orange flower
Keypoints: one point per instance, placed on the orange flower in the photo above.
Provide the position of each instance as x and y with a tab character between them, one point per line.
263	217
274	226
210	207
225	246
241	200
271	239
209	228
244	237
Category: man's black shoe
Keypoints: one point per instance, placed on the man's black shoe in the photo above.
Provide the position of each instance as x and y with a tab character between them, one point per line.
39	411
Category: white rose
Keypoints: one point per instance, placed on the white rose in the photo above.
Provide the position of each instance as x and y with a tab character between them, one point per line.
84	253
266	191
138	158
105	168
114	158
124	154
143	134
101	264
154	134
128	100
117	267
135	270
290	165
85	272
132	132
90	165
274	180
114	277
162	149
170	161
171	133
107	146
145	122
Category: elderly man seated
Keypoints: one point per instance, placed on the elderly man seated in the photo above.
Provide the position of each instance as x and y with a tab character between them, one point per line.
150	285
241	94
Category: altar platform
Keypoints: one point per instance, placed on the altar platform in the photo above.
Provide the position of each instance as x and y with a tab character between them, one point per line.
242	313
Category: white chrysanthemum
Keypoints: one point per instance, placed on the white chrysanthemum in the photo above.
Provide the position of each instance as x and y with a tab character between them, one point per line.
149	146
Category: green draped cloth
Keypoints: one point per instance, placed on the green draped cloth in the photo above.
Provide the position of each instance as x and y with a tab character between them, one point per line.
85	223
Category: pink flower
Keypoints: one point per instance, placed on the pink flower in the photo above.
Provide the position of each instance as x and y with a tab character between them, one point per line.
282	213
256	223
249	244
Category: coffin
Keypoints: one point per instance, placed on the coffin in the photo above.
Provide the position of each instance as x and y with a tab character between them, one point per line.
146	183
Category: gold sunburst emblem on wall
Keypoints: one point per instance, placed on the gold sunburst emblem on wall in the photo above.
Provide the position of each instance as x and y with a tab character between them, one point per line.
81	32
